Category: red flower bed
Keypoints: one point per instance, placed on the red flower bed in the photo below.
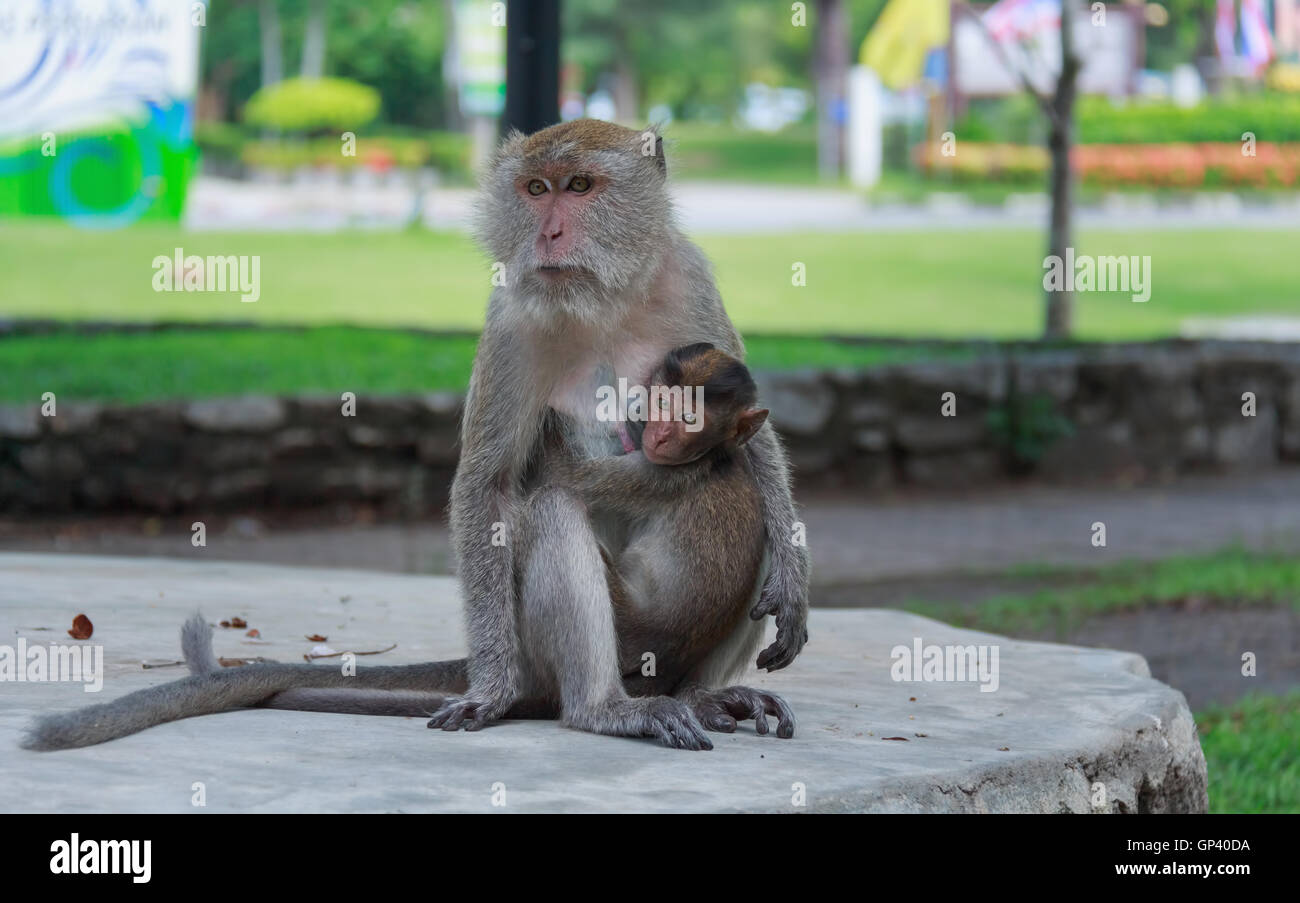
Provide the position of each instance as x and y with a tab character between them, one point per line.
1125	165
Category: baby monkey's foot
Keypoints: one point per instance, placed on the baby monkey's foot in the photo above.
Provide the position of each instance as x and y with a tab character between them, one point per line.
719	710
670	721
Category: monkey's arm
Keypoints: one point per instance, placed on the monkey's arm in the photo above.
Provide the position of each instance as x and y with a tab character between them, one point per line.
626	483
785	592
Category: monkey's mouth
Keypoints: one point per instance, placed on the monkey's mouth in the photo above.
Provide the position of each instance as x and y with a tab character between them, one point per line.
558	271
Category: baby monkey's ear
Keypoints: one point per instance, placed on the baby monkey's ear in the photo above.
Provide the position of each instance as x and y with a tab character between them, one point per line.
747	424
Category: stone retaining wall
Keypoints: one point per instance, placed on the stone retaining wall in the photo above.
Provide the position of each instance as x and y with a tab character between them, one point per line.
1132	412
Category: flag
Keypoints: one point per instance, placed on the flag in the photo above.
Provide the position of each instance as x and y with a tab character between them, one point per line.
897	45
1017	20
1256	43
1225	32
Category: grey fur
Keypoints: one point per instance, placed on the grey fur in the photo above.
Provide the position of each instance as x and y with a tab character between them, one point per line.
196	646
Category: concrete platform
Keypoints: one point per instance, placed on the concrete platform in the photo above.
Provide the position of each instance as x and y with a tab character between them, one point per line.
1061	720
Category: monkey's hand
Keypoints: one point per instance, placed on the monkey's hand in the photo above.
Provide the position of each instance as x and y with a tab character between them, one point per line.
463	711
790	605
791	635
719	710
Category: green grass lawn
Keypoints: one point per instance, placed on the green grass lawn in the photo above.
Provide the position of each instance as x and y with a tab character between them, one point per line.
1230	576
1251	754
941	284
134	367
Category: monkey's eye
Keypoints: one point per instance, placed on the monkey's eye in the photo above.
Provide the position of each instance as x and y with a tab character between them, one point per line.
663	402
536	187
688	417
580	184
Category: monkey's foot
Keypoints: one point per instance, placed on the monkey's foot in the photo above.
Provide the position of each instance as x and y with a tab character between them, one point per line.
719	710
459	711
673	722
669	720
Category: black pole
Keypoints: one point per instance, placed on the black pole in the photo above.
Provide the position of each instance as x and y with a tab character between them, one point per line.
532	65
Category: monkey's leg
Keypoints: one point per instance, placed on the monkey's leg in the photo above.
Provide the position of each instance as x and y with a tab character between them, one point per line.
567	632
719	710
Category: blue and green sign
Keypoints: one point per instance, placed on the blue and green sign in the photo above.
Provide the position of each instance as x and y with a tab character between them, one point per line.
97	108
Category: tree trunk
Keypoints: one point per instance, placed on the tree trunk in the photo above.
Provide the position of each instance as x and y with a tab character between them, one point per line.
1059	319
830	69
313	41
626	104
452	119
272	60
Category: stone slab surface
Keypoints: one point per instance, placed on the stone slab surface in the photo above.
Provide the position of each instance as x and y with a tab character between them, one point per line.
1062	719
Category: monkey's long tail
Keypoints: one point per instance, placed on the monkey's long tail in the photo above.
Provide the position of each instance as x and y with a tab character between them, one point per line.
212	688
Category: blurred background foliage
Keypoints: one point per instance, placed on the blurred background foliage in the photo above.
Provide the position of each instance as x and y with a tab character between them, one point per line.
691	63
313	105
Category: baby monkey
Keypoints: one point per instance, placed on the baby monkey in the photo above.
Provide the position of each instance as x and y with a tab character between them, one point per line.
685	575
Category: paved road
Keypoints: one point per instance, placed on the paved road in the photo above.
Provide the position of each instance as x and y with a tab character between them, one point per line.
708	207
997	529
902	537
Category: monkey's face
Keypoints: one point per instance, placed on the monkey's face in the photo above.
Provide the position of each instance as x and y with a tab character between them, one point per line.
558	202
705	399
680	434
677	433
580	217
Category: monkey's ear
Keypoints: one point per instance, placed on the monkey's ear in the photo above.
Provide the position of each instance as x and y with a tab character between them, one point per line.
661	161
748	422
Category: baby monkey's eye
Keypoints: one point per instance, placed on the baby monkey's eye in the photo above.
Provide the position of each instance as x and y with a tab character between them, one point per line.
663	402
579	184
536	187
688	417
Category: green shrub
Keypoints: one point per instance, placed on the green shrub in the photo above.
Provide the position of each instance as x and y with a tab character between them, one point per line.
1271	117
313	105
447	152
1027	425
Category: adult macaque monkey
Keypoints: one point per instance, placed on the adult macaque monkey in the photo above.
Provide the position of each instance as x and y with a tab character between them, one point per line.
599	284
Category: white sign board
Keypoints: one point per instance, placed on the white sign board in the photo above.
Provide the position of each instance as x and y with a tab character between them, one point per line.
69	65
1110	53
480	56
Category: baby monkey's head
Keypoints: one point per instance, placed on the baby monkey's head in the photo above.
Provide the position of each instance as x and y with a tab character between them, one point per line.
679	429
